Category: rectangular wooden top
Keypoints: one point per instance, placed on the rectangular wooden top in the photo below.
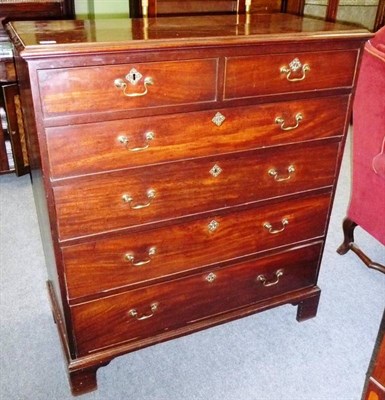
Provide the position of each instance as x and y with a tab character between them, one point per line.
44	38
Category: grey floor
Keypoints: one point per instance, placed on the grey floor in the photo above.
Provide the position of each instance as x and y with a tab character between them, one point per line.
268	356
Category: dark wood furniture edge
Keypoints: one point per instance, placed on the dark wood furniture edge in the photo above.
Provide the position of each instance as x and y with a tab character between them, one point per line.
293	6
16	128
348	227
380	16
82	371
372	386
331	10
371	383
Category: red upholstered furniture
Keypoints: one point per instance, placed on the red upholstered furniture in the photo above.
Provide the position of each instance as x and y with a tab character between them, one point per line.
367	203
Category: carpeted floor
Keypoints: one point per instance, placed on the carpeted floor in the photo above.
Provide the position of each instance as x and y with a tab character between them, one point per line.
268	356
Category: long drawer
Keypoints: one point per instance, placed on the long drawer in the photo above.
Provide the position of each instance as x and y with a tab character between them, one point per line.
127	86
106	202
98	266
145	312
250	76
113	145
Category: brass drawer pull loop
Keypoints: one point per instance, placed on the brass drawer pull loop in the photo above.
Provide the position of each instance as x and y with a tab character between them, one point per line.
266	282
120	84
269	226
128	199
148	137
294	66
290	171
281	122
130	257
133	313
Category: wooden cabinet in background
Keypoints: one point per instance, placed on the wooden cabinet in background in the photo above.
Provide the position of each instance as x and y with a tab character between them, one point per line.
35	9
18	158
13	149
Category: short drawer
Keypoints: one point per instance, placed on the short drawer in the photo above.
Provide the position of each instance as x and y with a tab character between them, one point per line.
127	86
99	266
142	313
251	76
106	202
120	144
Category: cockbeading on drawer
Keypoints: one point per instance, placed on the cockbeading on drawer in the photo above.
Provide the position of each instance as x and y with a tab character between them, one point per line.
112	145
135	259
109	88
252	76
144	312
105	202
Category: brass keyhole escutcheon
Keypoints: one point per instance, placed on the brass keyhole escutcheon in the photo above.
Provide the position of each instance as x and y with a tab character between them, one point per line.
210	278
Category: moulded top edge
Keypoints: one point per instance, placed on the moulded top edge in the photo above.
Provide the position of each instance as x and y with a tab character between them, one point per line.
43	38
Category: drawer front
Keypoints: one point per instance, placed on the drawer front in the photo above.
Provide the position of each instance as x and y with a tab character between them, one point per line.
94	89
119	144
282	73
141	313
139	196
103	265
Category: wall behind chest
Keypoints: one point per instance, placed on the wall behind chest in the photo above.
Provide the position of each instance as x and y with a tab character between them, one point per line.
102	8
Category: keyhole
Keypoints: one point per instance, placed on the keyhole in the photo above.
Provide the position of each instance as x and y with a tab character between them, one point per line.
134	76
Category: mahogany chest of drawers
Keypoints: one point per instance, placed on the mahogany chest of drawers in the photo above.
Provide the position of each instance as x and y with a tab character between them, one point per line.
183	170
